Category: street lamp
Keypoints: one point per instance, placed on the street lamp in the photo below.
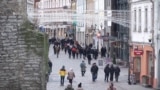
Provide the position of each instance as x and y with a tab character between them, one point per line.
127	41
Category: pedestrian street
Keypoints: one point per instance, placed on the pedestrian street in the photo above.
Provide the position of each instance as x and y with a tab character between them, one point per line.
87	84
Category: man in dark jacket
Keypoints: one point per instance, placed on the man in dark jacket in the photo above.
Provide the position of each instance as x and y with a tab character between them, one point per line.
89	58
111	71
94	71
106	71
69	52
117	73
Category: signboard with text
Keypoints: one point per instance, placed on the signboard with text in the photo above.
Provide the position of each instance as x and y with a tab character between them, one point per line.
138	52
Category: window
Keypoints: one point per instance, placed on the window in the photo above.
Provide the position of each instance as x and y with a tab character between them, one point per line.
151	20
139	27
135	20
146	20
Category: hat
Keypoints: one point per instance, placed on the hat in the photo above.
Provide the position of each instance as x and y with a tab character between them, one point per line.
80	85
71	69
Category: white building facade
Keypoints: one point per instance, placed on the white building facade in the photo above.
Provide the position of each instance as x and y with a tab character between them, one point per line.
99	10
54	28
30	6
141	40
30	9
81	25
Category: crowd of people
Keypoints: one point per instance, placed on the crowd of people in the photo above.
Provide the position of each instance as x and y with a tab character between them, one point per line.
77	50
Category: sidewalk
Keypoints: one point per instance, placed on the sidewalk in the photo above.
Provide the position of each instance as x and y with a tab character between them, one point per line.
87	84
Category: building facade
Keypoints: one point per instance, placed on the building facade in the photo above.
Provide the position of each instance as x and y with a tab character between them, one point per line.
81	25
99	22
30	6
117	43
89	26
57	29
142	63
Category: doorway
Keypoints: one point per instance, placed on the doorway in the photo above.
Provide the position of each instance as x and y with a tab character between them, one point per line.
137	68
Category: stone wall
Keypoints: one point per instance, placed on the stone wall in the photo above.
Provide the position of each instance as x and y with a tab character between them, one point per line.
23	55
13	7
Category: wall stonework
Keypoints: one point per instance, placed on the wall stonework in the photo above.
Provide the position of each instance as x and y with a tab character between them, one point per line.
22	61
13	7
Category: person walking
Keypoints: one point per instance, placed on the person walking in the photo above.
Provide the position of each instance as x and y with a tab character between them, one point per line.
57	47
94	71
83	68
69	52
69	87
106	71
111	87
70	76
89	58
111	72
117	73
50	66
62	73
84	53
73	51
80	87
96	53
80	52
77	52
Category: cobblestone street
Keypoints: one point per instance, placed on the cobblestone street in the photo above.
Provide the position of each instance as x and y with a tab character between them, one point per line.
87	84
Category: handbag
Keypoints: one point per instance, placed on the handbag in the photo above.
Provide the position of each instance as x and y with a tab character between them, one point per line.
67	77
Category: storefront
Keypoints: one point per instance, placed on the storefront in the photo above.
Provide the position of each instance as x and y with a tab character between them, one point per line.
142	63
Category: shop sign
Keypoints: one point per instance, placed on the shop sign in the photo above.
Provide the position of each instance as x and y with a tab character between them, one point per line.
138	52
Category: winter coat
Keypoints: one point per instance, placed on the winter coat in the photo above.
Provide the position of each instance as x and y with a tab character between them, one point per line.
106	70
62	72
57	48
112	70
83	66
94	69
117	71
89	57
71	75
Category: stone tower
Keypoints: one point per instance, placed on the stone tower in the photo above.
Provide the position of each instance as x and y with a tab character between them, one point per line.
23	50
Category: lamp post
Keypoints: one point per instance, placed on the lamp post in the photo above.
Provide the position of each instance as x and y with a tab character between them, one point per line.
129	40
126	40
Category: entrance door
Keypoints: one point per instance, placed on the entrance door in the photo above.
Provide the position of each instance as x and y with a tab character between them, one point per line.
150	67
137	68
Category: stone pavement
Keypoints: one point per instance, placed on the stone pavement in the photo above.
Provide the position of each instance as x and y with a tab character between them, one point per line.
87	84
